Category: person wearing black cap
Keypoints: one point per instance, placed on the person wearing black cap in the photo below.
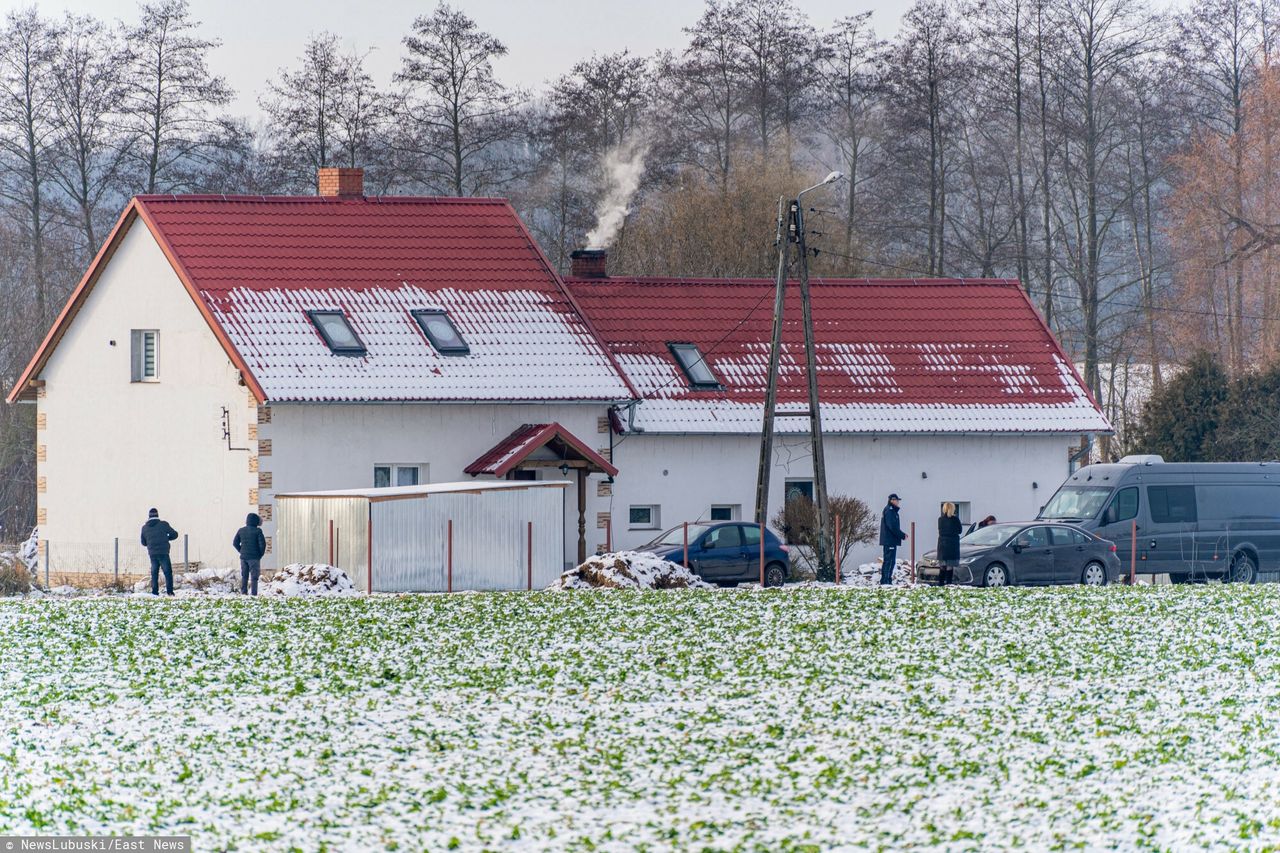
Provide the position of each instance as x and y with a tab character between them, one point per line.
891	536
157	535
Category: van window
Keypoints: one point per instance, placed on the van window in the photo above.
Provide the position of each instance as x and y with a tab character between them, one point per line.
1172	504
1078	502
1234	503
1125	506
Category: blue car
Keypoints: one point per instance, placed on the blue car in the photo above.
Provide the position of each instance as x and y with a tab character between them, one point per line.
725	553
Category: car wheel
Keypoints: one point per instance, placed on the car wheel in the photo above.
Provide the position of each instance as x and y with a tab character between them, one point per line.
774	574
995	575
1094	575
1243	569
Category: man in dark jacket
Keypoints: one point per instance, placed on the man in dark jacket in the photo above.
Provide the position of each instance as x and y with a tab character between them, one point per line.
891	536
157	535
252	545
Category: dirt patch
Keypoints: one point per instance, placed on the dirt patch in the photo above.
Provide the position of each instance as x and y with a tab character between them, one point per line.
629	570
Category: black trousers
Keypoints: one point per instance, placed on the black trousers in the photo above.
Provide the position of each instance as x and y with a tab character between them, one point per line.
249	570
158	562
890	562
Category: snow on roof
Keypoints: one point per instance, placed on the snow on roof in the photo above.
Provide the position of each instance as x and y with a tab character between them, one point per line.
260	263
925	355
389	492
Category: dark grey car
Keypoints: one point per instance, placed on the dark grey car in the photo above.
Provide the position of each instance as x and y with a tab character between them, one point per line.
1032	553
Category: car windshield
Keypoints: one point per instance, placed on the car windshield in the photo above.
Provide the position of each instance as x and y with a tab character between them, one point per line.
674	538
1078	502
992	534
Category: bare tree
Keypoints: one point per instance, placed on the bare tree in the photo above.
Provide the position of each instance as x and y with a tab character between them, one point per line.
170	95
90	147
28	132
459	116
325	113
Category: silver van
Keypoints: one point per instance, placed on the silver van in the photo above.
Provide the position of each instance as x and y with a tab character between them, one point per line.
1195	520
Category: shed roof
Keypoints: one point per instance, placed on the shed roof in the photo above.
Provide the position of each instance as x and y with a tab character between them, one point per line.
428	489
894	355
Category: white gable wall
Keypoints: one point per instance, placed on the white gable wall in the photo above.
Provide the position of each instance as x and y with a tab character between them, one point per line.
113	448
686	474
318	446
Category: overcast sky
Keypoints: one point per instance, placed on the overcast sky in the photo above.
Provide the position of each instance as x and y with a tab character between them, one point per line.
544	37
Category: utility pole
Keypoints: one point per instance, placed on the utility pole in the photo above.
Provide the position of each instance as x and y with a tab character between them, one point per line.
791	230
775	356
823	555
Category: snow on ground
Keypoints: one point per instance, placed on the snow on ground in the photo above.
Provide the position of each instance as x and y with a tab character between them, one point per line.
309	580
797	719
629	570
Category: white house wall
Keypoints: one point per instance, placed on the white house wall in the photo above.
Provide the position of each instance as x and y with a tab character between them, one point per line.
1006	476
336	446
109	448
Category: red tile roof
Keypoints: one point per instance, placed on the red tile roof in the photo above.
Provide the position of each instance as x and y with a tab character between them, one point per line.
260	263
944	355
517	447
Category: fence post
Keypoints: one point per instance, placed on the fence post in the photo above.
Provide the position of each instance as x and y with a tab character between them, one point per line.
530	556
608	534
762	555
368	590
913	553
837	550
186	553
686	544
117	572
48	550
331	542
1133	554
449	567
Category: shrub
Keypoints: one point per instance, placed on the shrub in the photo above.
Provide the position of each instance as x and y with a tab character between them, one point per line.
14	577
798	521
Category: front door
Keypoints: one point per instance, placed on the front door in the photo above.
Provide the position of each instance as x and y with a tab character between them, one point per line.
720	556
1169	543
1034	565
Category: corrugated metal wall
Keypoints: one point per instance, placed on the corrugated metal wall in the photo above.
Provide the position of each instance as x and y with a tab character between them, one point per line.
302	532
490	531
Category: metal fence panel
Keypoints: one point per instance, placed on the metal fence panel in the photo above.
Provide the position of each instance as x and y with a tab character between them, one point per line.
332	530
490	540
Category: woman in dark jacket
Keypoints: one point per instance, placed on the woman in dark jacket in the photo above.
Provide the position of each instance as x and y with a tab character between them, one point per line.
948	553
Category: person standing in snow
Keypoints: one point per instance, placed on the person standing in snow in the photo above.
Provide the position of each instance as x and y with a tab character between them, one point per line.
156	536
251	544
948	553
891	536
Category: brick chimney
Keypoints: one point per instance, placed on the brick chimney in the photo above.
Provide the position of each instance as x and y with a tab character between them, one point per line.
340	182
589	263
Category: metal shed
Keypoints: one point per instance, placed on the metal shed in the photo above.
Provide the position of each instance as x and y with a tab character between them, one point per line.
433	538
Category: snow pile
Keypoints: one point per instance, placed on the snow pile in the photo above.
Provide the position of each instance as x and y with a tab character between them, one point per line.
297	579
629	570
868	574
29	551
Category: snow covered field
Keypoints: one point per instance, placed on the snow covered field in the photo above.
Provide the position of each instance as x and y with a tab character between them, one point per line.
806	719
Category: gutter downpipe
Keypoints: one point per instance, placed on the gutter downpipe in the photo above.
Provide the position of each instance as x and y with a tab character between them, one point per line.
1083	453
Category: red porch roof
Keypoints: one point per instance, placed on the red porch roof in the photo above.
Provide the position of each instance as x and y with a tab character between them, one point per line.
506	455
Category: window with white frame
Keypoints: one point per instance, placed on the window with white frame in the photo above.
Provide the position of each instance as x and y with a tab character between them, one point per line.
144	355
398	475
643	517
725	512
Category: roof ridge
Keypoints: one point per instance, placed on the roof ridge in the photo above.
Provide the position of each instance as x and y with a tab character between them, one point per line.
153	198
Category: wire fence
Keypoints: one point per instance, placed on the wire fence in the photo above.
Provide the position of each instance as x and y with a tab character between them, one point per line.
118	562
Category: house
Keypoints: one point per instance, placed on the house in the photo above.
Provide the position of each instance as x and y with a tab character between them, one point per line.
936	389
221	350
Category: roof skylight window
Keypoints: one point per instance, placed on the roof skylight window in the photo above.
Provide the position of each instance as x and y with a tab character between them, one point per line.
336	330
694	365
439	329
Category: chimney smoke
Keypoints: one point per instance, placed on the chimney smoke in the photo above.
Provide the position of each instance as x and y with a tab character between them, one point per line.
623	167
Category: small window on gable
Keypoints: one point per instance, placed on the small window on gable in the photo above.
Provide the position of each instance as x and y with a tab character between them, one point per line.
695	366
439	329
144	352
336	330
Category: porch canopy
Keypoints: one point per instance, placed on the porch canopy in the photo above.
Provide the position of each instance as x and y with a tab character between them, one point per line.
546	446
